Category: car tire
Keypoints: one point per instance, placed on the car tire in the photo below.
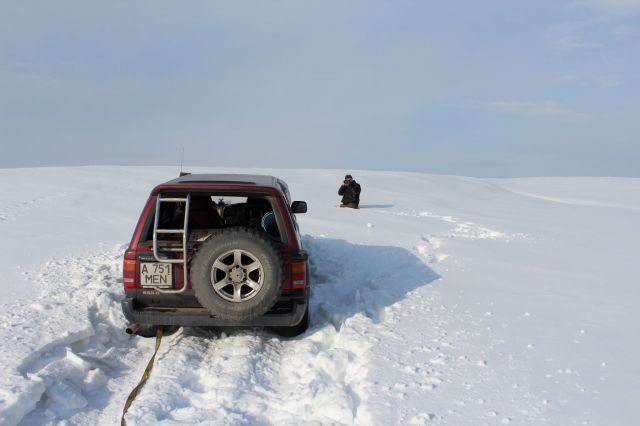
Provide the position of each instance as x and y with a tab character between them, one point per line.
237	274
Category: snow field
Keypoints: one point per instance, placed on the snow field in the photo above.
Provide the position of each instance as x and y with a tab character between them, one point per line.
444	300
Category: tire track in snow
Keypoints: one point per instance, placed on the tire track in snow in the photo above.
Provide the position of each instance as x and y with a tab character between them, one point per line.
254	377
247	377
431	243
208	377
461	228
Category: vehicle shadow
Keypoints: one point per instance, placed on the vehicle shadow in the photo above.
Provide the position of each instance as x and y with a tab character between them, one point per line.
347	279
375	206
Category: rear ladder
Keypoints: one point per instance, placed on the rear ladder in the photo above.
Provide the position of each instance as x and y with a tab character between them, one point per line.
157	253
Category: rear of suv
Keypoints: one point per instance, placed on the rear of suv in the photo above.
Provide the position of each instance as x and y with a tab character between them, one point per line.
217	250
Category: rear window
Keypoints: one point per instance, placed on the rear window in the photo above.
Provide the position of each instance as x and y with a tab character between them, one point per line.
210	211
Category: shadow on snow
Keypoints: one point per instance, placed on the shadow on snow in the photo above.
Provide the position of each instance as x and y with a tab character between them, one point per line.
347	279
375	206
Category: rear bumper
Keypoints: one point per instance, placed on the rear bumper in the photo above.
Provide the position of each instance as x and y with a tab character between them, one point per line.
200	317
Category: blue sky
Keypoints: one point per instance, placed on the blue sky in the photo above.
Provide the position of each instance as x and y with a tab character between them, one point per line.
491	88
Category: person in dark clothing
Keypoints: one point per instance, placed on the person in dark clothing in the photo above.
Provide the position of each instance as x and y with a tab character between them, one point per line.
350	191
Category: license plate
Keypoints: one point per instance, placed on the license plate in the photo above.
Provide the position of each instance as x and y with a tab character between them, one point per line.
156	275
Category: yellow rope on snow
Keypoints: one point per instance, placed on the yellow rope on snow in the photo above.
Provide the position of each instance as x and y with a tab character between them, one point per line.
143	380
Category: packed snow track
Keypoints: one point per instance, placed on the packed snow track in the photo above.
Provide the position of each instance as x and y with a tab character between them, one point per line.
202	375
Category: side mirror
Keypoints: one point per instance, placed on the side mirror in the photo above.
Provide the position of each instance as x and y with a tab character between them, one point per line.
299	207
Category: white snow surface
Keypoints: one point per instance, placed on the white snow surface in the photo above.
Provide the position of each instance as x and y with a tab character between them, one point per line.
443	300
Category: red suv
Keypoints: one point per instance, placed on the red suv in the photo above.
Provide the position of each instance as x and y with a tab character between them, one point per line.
217	250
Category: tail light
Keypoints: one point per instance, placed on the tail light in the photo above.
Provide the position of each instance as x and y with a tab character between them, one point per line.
298	275
129	269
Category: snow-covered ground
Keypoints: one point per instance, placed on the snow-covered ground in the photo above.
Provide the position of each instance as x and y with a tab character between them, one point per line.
444	300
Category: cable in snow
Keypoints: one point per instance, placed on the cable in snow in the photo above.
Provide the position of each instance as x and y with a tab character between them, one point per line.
143	380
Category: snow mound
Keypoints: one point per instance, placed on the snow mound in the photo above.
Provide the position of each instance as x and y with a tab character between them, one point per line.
61	347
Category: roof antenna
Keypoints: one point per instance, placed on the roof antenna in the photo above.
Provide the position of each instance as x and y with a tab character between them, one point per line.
181	160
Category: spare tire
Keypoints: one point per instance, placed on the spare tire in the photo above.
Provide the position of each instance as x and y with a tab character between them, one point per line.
237	274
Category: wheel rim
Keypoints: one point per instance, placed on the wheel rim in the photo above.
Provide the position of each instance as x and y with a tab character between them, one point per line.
237	275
